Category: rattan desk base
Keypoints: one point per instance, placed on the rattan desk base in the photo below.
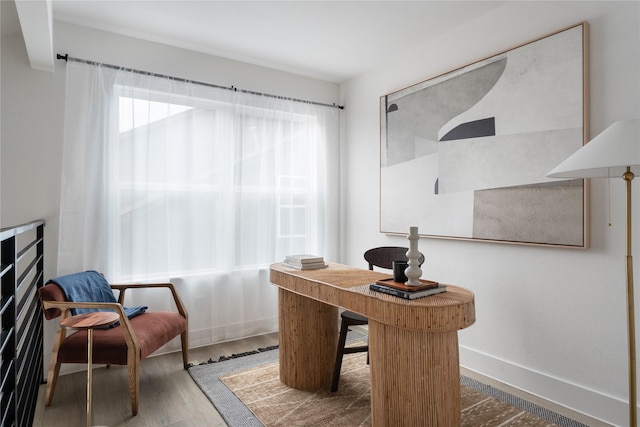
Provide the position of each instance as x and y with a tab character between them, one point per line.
413	345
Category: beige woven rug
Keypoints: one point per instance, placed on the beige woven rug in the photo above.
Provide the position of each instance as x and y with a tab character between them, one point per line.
274	404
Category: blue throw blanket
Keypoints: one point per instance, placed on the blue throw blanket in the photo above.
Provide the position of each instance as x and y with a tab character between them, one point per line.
90	286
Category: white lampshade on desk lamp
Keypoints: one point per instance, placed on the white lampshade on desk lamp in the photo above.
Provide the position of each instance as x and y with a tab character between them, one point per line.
613	153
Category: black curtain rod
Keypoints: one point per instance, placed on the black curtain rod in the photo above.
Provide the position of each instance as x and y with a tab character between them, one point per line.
66	58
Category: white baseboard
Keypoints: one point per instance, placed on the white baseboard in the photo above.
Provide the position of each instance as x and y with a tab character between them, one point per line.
208	336
587	406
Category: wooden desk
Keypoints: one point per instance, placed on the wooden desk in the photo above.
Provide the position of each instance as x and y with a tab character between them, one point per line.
89	322
413	345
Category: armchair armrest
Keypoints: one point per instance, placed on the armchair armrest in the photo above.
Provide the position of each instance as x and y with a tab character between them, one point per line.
122	287
66	306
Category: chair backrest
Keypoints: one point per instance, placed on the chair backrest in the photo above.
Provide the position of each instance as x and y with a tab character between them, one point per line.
384	256
51	292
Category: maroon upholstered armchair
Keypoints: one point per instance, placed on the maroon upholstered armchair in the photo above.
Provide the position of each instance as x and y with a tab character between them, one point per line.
126	344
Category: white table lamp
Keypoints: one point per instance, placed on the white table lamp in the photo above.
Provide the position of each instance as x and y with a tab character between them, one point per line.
613	153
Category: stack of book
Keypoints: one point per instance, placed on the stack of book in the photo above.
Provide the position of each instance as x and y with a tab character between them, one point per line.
427	288
304	262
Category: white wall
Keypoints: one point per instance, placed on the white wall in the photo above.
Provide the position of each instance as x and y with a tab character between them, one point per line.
550	321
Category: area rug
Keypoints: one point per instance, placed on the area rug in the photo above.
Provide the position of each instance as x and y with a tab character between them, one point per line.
247	392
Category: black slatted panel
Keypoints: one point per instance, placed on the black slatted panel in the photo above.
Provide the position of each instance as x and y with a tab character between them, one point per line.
21	363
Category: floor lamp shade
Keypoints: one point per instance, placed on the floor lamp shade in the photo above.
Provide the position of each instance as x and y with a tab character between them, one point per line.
607	155
615	153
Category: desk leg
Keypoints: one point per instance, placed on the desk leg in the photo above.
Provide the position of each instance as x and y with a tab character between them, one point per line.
308	341
415	377
89	372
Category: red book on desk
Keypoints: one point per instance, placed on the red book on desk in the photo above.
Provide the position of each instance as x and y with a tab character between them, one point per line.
425	284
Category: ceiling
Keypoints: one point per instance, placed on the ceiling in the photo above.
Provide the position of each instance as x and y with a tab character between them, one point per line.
329	40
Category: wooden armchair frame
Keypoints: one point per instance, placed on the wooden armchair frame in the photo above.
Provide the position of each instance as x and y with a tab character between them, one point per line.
133	346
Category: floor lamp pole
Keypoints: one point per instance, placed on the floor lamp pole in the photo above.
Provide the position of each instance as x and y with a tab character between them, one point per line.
628	177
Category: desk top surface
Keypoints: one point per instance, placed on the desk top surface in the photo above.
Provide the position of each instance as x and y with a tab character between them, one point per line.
348	287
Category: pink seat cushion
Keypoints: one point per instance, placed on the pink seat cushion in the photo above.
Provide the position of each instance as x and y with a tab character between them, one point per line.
153	329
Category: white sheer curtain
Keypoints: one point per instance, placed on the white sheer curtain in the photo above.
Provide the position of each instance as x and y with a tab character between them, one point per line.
205	187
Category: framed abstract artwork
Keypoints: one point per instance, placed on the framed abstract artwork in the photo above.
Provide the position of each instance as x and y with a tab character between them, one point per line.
464	155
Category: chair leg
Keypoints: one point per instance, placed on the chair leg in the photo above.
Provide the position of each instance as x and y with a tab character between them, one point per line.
342	340
54	366
52	379
134	384
184	339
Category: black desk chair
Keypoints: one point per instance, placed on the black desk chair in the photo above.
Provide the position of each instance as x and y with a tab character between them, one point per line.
382	257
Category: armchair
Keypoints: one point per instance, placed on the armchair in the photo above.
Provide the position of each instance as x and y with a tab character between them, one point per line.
126	344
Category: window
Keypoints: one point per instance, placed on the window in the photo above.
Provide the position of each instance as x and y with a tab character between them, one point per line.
186	178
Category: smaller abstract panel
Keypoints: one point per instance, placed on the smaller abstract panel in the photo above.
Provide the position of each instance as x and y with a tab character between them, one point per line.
473	129
515	212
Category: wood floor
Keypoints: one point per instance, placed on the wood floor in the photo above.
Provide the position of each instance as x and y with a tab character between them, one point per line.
168	395
170	398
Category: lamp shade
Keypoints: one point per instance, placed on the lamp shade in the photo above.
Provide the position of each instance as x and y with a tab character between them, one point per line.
607	155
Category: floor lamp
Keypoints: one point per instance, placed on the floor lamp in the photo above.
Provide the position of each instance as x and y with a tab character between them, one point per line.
613	153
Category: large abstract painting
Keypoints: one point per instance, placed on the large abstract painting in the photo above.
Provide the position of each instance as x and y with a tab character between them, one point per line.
464	155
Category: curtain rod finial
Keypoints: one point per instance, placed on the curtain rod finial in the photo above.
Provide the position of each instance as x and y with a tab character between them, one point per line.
65	56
